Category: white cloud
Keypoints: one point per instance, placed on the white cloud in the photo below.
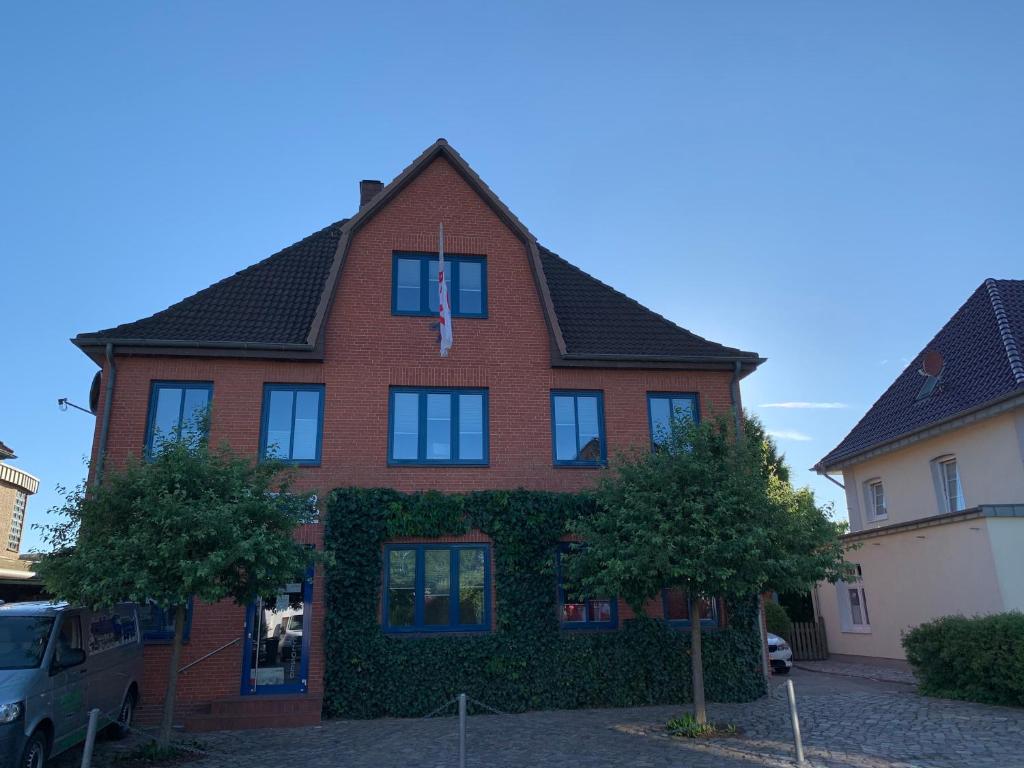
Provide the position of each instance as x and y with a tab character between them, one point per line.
789	434
804	405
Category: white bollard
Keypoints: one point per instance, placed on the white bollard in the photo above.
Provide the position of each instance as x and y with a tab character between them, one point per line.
90	738
462	730
796	723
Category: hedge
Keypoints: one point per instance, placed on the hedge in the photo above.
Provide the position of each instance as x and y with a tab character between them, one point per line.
528	662
977	659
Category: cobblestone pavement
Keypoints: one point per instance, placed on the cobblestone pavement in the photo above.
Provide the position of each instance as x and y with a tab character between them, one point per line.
847	723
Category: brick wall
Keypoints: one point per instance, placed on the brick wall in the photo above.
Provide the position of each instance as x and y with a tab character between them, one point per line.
366	351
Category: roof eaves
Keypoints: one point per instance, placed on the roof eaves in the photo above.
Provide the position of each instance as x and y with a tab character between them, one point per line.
1005	402
946	518
101	341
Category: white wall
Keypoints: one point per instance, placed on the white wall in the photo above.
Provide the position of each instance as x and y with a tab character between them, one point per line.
1007	541
914	576
990	460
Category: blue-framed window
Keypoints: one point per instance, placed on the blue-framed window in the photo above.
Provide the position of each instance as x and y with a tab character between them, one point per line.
676	606
577	428
437	426
275	657
577	611
292	423
414	284
176	410
663	407
437	588
158	624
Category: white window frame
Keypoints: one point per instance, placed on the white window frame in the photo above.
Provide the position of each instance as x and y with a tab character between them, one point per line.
871	508
846	617
940	469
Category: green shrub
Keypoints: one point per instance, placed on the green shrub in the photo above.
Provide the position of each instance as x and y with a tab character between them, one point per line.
528	662
777	620
686	727
977	659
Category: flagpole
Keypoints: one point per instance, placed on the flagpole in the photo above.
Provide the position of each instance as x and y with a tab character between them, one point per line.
444	302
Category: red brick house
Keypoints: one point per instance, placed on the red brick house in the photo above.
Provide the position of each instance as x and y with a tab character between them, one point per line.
327	352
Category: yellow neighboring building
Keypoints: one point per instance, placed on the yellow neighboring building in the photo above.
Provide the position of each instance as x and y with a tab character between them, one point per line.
16	485
934	480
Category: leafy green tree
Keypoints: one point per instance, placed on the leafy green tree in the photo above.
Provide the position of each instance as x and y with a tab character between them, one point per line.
710	512
190	522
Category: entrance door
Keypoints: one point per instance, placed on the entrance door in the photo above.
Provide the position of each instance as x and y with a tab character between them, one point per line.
277	630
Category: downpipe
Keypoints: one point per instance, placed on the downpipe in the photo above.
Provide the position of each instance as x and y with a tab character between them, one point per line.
108	399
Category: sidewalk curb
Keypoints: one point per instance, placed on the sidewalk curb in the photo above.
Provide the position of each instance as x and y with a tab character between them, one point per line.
851	674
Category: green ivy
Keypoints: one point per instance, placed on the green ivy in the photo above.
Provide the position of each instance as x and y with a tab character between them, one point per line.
528	662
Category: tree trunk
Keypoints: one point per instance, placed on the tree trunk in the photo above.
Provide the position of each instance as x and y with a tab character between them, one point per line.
167	721
696	661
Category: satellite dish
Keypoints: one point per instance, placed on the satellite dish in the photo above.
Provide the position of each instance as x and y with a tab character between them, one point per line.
94	393
931	363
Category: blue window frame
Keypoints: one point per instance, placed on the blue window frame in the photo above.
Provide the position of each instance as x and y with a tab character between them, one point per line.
437	426
662	407
176	409
275	658
677	609
292	423
577	429
437	588
579	612
158	624
414	284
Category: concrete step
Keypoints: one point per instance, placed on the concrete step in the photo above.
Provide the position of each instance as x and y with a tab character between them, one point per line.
267	705
241	722
246	712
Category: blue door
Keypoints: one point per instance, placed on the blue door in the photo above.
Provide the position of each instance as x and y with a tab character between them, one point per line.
275	658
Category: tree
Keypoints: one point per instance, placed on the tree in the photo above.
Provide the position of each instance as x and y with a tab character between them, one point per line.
710	512
190	522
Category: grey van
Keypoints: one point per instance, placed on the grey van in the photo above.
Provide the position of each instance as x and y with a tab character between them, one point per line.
56	664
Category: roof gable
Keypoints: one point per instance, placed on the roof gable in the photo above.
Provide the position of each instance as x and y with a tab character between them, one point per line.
980	346
280	305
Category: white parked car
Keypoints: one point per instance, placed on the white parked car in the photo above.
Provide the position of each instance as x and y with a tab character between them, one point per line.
780	654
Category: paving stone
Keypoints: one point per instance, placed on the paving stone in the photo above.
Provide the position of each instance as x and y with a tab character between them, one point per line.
846	723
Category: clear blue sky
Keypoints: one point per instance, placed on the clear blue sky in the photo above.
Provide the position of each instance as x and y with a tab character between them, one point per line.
823	183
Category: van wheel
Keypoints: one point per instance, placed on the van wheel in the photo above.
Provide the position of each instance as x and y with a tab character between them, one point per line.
123	726
34	754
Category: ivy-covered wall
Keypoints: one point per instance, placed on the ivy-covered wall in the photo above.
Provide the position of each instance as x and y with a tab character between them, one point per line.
528	662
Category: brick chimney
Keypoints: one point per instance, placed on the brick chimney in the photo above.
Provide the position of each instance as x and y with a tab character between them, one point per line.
369	189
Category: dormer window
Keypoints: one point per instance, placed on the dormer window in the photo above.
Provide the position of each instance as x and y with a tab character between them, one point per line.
414	284
874	493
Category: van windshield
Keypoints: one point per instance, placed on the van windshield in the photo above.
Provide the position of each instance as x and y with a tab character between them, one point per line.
23	640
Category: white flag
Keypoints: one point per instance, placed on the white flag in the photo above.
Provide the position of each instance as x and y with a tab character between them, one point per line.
443	302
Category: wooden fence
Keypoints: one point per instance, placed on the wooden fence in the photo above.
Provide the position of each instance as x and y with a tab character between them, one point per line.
809	642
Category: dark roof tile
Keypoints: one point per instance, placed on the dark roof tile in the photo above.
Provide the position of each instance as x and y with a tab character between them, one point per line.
597	320
977	346
272	302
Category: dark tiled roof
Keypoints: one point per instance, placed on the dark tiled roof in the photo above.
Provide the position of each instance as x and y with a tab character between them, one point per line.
981	346
272	302
5	452
279	305
596	320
